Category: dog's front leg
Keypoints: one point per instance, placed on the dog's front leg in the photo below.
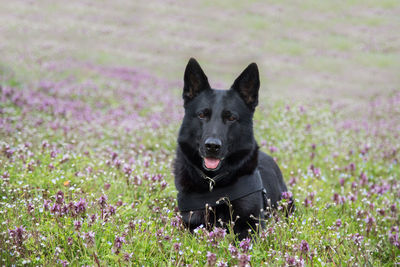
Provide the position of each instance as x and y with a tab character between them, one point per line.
248	216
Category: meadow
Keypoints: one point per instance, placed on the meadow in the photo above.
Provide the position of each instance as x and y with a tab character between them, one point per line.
90	108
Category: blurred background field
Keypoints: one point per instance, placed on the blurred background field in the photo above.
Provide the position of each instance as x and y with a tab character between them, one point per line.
347	50
90	106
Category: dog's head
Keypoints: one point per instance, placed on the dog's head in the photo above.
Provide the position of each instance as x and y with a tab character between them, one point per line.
217	129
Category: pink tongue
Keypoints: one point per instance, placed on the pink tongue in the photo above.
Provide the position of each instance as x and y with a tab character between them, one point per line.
211	163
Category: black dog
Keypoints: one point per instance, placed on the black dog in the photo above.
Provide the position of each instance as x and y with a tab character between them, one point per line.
220	174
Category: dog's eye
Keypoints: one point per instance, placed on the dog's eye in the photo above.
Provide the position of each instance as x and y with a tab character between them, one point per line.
232	117
229	116
201	115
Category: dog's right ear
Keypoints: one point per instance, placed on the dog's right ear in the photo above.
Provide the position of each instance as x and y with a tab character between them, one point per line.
195	81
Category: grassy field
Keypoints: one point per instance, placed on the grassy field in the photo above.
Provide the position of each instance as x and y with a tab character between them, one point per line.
90	106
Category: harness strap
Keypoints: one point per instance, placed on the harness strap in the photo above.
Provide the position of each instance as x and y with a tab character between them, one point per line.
244	186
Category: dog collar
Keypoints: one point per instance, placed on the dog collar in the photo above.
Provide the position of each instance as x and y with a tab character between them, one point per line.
211	181
244	186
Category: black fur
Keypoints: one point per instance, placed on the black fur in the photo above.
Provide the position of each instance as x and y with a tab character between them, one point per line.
227	116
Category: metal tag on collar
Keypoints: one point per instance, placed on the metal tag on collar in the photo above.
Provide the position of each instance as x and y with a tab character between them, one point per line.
211	183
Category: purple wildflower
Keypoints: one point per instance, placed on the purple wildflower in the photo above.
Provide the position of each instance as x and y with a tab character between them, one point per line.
273	149
127	256
31	165
69	208
357	238
245	244
111	210
6	175
371	206
103	201
290	261
53	154
119	240
18	235
353	185
293	181
313	146
136	180
233	250
244	260
216	235
163	185
381	212
159	233
338	223
45	144
80	206
30	208
132	225
220	233
352	197
46	204
363	179
361	213
107	186
176	222
177	246
77	225
56	208
117	163
370	221
393	208
9	152
211	259
317	171
92	219
89	236
352	166
146	163
60	197
287	195
338	199
304	247
307	202
394	239
127	170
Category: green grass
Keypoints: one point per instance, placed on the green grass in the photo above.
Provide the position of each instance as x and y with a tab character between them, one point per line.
149	207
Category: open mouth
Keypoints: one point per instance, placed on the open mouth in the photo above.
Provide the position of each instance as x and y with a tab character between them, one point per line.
211	164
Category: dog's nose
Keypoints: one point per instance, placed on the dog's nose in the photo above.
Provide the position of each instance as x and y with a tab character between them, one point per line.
213	145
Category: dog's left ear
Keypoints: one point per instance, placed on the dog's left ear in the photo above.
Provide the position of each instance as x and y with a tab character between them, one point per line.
247	85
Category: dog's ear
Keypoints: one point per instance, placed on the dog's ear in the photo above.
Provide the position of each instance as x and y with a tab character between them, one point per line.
247	85
195	81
